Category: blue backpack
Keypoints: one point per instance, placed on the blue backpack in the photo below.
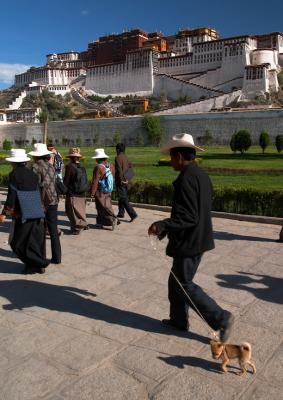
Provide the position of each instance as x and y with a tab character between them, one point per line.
107	182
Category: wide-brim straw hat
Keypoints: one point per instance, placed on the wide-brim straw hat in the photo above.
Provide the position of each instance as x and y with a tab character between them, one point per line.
180	140
17	156
99	153
40	149
74	152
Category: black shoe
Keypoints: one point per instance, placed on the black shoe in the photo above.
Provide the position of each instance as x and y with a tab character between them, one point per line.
52	261
133	218
225	331
120	216
171	324
86	228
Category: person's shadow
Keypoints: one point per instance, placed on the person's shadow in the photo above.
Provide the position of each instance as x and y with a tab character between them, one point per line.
233	236
23	294
270	290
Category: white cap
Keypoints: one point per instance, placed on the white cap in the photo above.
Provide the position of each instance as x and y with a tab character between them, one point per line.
18	155
180	140
40	149
99	153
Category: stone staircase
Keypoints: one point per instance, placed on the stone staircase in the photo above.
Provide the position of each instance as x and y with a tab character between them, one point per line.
18	101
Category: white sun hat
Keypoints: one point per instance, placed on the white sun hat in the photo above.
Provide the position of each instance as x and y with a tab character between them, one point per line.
18	155
99	153
180	140
40	149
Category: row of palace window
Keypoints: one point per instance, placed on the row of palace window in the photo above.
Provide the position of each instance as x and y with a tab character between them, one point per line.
175	62
206	58
201	48
233	51
254	73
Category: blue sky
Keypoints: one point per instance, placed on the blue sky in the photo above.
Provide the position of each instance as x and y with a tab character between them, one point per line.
31	29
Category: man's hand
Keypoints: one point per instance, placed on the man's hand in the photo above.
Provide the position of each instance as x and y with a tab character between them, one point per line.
2	218
152	230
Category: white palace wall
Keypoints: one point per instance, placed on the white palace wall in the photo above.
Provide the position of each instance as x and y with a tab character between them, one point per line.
134	76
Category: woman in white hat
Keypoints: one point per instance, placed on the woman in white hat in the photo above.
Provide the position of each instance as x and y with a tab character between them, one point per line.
47	177
28	239
101	189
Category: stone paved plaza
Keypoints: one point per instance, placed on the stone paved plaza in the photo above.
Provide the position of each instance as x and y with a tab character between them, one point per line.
89	329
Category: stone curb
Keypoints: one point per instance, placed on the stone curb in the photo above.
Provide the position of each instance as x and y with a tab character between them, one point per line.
215	214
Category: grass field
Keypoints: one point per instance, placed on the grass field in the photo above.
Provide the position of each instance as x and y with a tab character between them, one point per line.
259	169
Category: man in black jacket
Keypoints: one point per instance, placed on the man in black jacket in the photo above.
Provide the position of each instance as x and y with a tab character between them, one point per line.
189	230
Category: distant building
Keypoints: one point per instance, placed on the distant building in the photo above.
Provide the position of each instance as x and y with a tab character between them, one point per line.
195	63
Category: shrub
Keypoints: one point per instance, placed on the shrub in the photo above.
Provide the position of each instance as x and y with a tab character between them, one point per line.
279	143
153	127
208	138
116	138
264	140
242	141
232	142
7	145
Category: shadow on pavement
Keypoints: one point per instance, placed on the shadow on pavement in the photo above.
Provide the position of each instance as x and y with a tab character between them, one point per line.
272	290
233	236
23	294
182	361
10	267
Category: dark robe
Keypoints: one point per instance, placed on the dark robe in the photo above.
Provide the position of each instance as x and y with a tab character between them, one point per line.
28	238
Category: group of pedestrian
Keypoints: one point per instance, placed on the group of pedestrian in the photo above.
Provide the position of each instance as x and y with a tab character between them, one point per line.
33	197
188	229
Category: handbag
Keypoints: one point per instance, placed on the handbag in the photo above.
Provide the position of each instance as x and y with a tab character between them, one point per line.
60	187
30	204
129	174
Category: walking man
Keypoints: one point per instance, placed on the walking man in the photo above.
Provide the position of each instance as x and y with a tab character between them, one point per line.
122	175
189	230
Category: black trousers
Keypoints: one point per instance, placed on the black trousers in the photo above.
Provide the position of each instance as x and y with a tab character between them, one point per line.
123	202
185	269
52	226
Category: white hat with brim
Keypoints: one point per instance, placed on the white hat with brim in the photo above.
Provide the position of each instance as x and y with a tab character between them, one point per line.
99	153
180	140
40	149
17	156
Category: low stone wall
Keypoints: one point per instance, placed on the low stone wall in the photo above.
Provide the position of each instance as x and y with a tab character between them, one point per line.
220	124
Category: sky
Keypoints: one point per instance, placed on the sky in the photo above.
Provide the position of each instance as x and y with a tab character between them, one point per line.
31	29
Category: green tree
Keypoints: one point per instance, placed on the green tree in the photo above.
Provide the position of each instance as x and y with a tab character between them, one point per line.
264	140
208	137
232	142
242	140
116	138
7	145
153	127
279	143
43	119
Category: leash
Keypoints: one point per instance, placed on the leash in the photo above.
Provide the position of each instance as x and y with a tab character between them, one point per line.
155	247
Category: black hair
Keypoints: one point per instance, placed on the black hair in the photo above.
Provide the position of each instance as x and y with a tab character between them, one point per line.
120	147
188	153
101	159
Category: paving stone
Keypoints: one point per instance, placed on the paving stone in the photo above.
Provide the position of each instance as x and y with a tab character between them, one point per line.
84	352
31	380
90	327
107	383
187	386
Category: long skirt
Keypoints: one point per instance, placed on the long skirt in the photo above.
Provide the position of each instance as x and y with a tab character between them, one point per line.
28	243
105	212
76	212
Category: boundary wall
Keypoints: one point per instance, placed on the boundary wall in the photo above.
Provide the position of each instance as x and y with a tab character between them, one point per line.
221	125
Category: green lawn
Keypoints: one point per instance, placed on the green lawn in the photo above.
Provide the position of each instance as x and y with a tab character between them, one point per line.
145	162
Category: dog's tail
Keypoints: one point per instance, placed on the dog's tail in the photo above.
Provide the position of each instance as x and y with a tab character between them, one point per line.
246	347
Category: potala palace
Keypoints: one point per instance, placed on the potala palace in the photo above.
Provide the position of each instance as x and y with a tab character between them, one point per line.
195	63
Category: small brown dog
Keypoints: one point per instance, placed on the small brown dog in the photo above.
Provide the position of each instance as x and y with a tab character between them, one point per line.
226	351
